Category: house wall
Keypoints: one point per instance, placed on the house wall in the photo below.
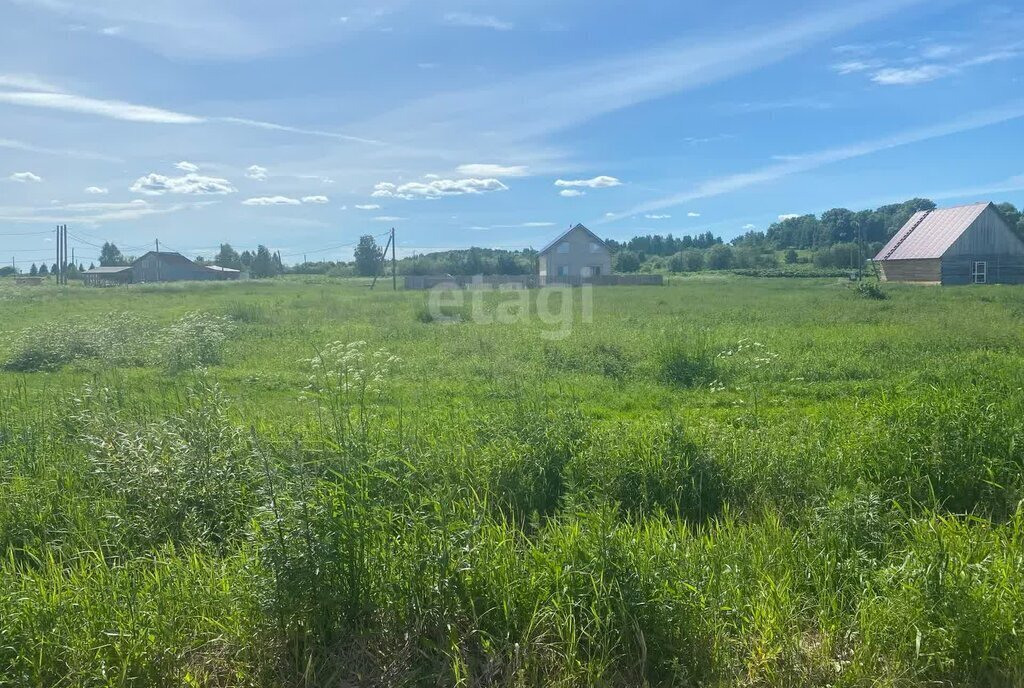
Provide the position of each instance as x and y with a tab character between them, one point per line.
926	270
579	258
988	239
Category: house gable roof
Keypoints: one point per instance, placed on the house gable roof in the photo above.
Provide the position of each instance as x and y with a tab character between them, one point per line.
570	231
930	233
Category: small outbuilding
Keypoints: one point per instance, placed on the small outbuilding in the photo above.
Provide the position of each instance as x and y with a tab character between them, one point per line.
120	274
170	266
968	244
576	254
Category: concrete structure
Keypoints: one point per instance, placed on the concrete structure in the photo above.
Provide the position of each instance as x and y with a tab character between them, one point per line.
168	266
970	244
121	274
576	254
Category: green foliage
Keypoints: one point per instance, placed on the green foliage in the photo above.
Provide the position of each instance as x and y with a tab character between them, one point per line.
871	290
725	481
369	257
627	261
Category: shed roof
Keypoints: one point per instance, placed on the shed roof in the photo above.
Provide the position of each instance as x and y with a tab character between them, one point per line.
567	233
217	268
930	233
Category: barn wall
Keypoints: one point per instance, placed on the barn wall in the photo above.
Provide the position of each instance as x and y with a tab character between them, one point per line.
988	235
1002	269
145	270
926	270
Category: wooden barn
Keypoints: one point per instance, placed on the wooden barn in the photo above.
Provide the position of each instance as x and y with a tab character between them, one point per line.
968	244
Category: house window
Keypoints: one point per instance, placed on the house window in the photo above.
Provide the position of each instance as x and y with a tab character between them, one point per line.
563	247
595	270
980	273
563	270
594	247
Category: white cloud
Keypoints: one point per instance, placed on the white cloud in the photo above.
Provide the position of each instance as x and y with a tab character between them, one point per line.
112	30
437	188
186	166
368	206
485	170
602	182
571	193
479	21
895	76
272	200
316	200
657	217
692	214
854	66
158	184
26	83
789	216
25	177
98	190
388	218
257	172
749	226
61	152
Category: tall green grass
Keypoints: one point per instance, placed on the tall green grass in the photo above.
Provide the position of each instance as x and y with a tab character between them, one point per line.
651	501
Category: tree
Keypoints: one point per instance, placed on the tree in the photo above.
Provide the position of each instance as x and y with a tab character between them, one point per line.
92	266
627	261
53	269
263	263
719	257
369	257
34	271
110	256
81	267
791	257
228	257
8	270
43	270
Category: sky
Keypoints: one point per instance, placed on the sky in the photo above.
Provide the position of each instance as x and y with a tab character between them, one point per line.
302	125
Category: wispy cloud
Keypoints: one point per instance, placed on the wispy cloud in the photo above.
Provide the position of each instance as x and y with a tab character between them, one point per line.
186	166
920	62
24	177
658	217
571	193
256	172
368	206
271	200
60	152
803	163
97	190
478	21
486	170
316	200
896	76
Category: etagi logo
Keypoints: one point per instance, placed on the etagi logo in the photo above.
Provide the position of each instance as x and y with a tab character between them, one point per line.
556	307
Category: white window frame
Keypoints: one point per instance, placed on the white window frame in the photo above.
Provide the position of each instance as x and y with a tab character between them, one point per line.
563	247
980	272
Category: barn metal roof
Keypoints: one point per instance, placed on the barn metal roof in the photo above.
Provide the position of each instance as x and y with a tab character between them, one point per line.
112	270
930	233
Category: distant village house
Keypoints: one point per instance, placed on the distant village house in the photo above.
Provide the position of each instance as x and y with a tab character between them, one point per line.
578	253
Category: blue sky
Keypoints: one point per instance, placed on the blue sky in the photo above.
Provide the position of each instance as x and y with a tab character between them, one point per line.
302	125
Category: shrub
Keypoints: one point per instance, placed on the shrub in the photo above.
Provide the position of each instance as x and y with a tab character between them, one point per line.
194	341
687	361
871	290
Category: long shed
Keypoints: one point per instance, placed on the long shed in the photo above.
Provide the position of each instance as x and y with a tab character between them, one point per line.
968	244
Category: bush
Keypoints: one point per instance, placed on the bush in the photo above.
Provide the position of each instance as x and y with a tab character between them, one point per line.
871	290
194	341
687	361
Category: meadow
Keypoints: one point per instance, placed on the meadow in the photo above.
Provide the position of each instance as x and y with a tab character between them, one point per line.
722	481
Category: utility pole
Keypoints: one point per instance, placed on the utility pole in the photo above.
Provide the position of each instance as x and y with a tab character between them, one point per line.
394	263
57	236
64	258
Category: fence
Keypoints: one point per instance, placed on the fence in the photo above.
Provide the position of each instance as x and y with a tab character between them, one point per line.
419	282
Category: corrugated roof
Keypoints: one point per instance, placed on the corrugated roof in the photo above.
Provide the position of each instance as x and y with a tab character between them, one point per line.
217	268
107	270
569	231
930	233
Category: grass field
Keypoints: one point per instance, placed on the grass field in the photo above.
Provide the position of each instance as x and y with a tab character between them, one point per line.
304	483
